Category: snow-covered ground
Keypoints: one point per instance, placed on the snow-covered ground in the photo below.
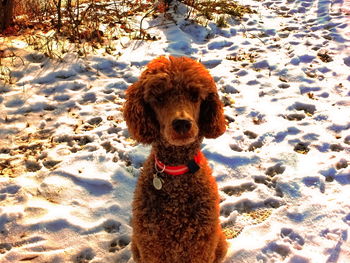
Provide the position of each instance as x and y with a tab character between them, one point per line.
68	167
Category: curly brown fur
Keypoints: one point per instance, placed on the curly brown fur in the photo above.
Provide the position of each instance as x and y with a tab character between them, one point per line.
173	106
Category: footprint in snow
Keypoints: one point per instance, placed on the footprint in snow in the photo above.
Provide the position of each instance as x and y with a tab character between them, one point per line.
15	102
276	169
31	244
62	98
119	243
181	46
94	186
32	166
325	147
295	116
307	108
111	226
108	147
35	57
53	76
63	86
304	90
280	136
245	212
255	145
198	33
302	147
34	212
48	107
228	88
117	85
238	190
211	63
336	147
347	61
347	139
10	189
284	86
269	178
274	250
247	206
252	147
5	247
50	164
89	97
347	219
342	163
219	44
314	182
340	127
311	137
250	134
95	121
236	148
84	256
242	73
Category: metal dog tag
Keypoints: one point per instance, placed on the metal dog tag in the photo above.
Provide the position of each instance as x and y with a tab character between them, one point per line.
157	182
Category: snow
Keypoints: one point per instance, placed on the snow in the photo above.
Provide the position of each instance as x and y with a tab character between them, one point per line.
68	166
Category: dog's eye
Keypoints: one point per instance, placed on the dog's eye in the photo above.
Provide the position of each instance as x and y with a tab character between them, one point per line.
194	95
160	100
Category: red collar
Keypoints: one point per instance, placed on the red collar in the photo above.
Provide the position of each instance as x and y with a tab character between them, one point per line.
192	166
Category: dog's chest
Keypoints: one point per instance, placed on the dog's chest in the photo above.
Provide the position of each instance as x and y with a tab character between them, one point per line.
178	212
181	199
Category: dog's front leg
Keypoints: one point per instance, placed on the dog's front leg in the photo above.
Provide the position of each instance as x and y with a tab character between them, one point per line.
135	252
221	249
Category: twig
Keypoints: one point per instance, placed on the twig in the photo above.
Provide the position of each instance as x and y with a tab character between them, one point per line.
149	12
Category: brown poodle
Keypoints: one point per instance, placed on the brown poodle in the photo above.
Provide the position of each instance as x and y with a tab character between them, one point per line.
173	106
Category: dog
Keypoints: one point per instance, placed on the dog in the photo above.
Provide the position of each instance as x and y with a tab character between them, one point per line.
175	211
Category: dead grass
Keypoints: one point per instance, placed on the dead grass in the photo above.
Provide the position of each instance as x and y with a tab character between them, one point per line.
222	7
217	10
252	217
89	25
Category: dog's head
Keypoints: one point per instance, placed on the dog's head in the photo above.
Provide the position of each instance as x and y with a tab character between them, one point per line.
175	99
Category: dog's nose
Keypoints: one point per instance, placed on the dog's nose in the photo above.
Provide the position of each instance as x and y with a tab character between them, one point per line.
181	125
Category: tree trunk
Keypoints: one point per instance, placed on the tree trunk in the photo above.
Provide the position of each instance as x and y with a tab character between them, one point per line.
59	19
69	5
6	13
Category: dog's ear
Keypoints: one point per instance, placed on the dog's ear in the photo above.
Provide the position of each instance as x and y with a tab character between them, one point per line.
139	116
212	121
